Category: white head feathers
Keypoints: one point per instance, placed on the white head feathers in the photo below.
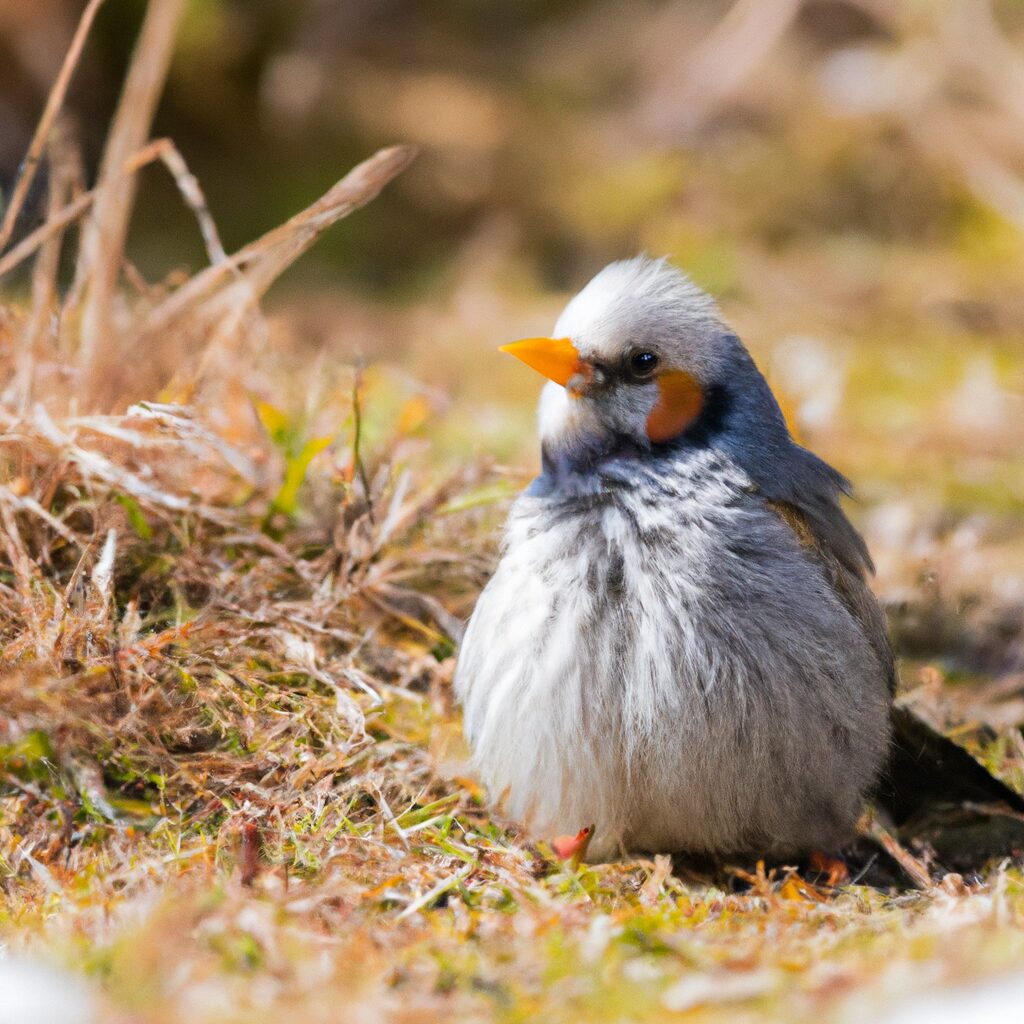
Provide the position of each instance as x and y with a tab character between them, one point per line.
635	299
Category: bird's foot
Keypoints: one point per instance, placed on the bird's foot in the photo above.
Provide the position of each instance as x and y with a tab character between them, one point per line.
573	848
833	868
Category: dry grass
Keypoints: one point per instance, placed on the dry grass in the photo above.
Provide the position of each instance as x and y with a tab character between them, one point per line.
231	780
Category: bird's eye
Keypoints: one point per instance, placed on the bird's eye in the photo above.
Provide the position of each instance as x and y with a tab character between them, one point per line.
643	364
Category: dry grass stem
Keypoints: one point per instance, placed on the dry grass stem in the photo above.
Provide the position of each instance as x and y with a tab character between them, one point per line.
55	224
65	174
60	218
188	186
54	102
104	233
265	259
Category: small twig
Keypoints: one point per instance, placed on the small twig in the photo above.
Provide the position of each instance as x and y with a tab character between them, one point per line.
250	853
914	868
53	226
357	437
356	679
866	867
390	816
188	185
439	890
54	102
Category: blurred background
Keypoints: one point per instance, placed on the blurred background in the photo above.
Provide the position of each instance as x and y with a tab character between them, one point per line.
846	176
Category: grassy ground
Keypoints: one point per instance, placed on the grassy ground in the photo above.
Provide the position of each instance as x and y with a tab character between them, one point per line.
232	783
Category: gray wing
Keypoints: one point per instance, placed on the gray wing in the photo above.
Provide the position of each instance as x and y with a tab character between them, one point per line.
830	539
806	492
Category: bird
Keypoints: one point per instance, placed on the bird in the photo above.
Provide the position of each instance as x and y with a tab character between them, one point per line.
679	650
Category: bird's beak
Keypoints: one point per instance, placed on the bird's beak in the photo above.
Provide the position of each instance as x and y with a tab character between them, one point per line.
556	358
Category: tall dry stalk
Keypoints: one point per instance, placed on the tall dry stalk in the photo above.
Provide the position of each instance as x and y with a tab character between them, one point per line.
105	232
65	177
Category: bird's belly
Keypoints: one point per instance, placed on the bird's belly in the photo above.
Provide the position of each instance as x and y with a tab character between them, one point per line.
675	701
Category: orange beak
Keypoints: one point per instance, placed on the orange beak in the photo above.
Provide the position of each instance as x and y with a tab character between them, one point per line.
556	358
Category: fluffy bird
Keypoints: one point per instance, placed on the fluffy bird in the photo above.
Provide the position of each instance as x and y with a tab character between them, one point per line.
678	645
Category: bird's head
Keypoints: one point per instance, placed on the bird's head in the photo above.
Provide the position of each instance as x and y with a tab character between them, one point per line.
641	366
640	356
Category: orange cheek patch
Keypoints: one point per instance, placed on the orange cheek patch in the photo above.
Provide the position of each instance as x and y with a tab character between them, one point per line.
679	403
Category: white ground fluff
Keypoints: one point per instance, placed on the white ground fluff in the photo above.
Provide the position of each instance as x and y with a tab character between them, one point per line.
33	994
1001	999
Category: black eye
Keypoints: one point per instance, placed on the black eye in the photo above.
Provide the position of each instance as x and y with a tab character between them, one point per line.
643	363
